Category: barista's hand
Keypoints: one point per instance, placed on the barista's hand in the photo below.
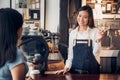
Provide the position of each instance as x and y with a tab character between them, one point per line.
63	71
100	35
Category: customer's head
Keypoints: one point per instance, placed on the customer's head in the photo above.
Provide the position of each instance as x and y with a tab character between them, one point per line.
87	16
10	30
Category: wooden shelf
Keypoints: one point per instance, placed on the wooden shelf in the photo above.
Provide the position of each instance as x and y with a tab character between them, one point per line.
109	15
31	20
32	13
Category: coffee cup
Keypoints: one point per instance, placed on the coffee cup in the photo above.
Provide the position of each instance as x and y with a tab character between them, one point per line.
35	74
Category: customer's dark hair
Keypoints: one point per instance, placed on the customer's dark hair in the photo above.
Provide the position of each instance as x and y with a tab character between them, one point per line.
90	12
10	21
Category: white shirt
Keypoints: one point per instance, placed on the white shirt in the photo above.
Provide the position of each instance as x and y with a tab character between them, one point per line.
74	34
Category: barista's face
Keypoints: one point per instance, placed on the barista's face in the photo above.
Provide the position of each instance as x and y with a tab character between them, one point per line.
82	18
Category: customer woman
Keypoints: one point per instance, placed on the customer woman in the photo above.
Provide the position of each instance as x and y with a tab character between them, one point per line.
12	62
84	44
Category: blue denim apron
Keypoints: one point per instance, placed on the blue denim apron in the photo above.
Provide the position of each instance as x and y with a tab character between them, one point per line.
84	60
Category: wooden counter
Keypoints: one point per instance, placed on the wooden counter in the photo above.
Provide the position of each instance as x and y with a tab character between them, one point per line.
81	77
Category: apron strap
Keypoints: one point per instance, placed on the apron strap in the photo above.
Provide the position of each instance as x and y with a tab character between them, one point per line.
88	37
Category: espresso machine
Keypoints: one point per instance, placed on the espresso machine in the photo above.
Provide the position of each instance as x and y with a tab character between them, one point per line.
36	51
